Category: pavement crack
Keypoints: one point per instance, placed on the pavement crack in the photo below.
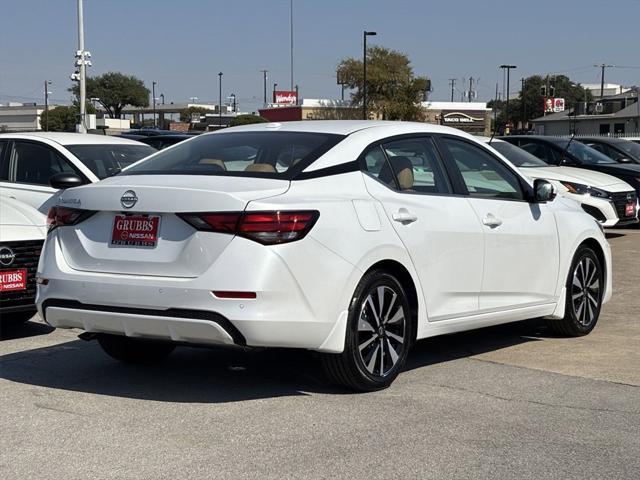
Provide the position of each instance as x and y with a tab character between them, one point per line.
55	409
536	402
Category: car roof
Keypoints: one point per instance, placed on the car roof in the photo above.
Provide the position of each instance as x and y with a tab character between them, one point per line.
68	138
337	127
611	140
554	140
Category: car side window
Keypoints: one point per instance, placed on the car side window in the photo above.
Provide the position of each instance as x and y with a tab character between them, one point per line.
484	175
35	164
415	164
374	162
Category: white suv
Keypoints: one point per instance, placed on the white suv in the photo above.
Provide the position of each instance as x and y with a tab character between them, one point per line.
33	166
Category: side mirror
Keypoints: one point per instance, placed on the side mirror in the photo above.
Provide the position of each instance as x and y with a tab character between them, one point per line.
64	180
543	191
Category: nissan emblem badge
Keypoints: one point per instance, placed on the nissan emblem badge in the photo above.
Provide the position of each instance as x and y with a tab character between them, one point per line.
128	199
6	256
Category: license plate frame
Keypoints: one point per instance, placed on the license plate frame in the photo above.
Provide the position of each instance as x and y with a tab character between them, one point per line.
134	230
15	284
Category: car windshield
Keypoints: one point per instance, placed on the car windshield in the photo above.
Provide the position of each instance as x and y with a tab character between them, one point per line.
631	148
518	156
585	154
265	154
105	160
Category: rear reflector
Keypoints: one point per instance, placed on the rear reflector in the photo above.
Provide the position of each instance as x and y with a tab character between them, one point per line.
238	295
268	228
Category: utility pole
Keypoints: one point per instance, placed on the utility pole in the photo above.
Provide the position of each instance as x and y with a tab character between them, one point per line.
470	88
602	66
366	34
46	105
264	85
291	37
524	105
452	83
297	99
275	85
220	99
153	94
508	69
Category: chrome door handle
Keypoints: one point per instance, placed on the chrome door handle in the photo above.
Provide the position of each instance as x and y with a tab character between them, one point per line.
404	216
491	221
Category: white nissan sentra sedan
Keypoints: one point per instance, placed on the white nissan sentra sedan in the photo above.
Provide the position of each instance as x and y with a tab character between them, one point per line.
350	238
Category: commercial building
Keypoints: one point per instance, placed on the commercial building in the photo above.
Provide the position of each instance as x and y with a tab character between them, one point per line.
472	117
21	117
613	115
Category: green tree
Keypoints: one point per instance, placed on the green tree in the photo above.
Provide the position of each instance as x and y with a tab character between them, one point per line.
61	119
393	91
115	91
247	120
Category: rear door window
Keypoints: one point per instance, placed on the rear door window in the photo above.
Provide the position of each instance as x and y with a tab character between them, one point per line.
416	165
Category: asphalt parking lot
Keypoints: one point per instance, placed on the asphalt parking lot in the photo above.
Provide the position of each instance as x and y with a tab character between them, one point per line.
504	402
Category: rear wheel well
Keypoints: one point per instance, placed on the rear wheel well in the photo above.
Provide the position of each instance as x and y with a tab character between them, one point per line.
404	277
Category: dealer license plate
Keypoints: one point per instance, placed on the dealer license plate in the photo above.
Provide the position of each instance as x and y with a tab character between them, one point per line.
135	231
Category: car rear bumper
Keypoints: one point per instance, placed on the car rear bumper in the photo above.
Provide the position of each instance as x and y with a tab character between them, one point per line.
296	305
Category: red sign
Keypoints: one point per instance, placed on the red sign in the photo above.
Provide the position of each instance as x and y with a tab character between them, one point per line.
135	230
285	97
13	280
630	210
553	105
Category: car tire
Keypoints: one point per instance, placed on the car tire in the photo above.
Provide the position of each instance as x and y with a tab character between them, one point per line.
380	332
134	350
585	287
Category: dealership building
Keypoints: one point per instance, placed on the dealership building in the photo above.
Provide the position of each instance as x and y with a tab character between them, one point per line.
471	117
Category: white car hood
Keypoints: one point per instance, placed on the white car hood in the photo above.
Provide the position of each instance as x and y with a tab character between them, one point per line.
578	175
14	212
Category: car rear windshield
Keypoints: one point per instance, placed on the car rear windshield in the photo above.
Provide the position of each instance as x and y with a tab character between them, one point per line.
108	159
265	154
518	156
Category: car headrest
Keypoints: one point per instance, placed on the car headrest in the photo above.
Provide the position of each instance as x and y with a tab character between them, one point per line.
261	167
213	161
403	170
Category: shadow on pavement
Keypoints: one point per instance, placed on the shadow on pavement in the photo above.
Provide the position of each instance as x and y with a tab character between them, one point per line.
225	375
9	331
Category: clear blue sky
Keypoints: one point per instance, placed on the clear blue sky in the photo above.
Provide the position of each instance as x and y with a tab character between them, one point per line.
183	44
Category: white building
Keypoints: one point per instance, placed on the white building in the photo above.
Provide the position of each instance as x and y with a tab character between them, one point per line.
21	117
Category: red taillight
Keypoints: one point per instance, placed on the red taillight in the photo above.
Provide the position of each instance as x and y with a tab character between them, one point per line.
61	216
235	295
268	228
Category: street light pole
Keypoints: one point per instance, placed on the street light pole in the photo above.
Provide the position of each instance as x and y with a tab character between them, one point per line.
264	86
364	71
83	70
46	105
508	68
153	95
220	99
